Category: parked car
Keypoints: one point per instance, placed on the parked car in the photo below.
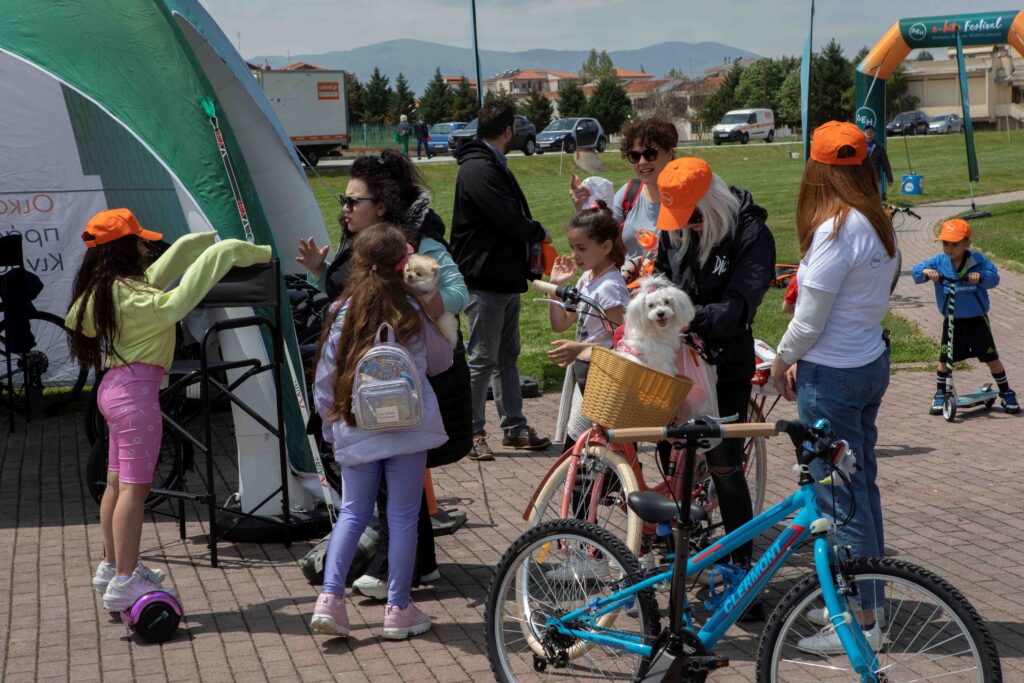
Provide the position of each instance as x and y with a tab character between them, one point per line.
946	123
908	123
439	133
744	125
525	138
570	134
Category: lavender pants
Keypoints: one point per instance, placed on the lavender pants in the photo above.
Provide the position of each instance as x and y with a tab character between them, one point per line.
404	475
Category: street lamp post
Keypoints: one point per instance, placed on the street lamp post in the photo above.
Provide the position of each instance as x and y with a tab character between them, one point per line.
476	57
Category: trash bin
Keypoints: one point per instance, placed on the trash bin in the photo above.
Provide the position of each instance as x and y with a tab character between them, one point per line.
913	183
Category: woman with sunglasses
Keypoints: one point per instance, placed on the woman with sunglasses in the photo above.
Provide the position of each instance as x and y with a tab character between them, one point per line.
387	189
648	144
715	246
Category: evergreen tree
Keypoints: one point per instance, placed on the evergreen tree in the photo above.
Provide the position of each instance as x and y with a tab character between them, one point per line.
501	95
609	104
537	108
377	98
677	74
571	100
924	56
897	98
850	96
464	104
437	99
597	66
403	101
723	99
787	107
831	77
759	85
354	99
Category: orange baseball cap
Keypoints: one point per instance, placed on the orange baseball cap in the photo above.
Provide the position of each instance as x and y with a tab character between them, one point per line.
833	141
112	224
682	183
954	230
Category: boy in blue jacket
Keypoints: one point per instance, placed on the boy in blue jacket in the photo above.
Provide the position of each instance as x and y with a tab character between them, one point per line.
972	335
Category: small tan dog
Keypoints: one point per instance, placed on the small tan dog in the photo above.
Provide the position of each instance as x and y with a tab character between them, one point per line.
423	275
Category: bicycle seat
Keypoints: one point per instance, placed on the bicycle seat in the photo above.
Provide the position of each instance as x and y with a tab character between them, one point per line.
655	508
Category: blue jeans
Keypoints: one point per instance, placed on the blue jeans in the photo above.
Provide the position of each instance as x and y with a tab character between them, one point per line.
404	474
849	399
493	354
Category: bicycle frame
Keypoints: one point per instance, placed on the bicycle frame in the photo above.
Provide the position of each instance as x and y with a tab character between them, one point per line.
807	521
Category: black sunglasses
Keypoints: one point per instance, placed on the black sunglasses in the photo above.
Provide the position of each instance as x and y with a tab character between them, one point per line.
351	202
649	154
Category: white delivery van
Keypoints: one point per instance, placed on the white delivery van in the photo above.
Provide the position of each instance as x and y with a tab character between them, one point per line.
744	125
312	107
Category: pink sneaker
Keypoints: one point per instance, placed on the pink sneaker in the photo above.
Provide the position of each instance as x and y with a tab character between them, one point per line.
329	615
400	623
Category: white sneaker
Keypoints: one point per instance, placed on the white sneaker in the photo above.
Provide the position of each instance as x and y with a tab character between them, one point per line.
106	571
370	587
120	596
576	568
820	617
827	642
431	577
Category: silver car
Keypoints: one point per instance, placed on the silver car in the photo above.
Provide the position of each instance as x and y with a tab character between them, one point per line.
945	123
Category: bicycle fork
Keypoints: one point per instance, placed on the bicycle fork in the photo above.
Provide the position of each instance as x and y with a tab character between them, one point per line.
844	621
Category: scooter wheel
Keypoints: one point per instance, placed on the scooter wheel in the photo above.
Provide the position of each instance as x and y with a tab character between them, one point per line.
154	617
949	408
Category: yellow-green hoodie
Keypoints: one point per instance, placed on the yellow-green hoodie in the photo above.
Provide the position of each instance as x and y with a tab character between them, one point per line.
146	314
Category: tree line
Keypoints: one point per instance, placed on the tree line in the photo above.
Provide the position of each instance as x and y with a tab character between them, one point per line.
775	84
377	102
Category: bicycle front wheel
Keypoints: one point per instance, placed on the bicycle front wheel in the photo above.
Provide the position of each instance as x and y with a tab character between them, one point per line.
925	629
550	571
45	376
597	494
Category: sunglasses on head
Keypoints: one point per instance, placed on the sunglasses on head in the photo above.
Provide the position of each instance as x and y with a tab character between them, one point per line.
649	154
351	202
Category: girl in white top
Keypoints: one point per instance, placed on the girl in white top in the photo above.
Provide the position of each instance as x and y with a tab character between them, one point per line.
596	249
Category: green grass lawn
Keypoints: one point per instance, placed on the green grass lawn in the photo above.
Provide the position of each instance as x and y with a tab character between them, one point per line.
1001	235
773	178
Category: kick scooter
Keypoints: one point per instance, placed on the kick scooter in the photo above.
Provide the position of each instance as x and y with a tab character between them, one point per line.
986	395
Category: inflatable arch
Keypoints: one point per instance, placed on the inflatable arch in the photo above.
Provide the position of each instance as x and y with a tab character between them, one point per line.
983	28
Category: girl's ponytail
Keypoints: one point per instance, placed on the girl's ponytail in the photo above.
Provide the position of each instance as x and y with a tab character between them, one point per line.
599	224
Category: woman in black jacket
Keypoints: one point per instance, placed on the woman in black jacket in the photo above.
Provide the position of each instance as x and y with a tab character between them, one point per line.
716	247
388	189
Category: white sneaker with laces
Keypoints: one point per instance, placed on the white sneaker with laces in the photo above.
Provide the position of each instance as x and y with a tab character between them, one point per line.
106	571
827	641
119	595
576	568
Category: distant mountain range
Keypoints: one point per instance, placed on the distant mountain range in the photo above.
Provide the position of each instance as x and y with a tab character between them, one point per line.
417	59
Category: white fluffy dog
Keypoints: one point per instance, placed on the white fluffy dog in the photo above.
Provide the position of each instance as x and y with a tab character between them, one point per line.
422	275
655	319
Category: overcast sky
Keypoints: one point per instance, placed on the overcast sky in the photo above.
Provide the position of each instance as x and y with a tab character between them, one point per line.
767	27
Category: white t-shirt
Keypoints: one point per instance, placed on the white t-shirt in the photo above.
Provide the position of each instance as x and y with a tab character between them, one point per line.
856	268
643	216
610	291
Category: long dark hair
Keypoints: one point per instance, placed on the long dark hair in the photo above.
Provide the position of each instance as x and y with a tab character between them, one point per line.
598	224
376	294
102	266
394	181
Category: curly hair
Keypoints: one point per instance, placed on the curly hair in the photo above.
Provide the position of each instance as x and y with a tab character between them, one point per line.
650	130
393	180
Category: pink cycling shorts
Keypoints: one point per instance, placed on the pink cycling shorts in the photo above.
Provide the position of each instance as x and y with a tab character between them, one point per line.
129	399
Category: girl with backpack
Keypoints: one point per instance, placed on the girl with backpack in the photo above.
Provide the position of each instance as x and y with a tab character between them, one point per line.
375	298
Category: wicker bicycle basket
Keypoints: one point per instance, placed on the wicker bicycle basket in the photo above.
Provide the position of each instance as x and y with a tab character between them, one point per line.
624	393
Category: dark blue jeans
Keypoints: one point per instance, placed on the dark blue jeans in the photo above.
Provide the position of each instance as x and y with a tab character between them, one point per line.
849	399
422	145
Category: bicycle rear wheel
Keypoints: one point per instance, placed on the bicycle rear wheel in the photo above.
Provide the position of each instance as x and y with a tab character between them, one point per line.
46	374
927	629
553	570
601	483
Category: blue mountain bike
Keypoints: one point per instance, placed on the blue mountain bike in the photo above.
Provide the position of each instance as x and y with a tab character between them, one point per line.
570	601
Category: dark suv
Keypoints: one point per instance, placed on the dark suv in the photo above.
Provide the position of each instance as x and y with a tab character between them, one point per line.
525	138
908	123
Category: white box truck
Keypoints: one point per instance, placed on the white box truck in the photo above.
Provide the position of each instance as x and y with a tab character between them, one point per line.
312	107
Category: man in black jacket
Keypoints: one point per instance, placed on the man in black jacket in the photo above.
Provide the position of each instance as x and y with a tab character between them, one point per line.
422	132
492	234
879	160
716	247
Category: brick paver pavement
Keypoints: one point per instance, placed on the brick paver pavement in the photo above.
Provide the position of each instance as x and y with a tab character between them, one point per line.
951	492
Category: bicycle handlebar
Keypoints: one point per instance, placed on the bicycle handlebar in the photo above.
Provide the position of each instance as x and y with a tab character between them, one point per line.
569	294
711	430
547	288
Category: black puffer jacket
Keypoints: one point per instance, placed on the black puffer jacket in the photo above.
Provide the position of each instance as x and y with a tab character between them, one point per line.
492	228
728	289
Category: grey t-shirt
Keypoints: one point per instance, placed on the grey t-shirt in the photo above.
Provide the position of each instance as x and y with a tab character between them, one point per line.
643	216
